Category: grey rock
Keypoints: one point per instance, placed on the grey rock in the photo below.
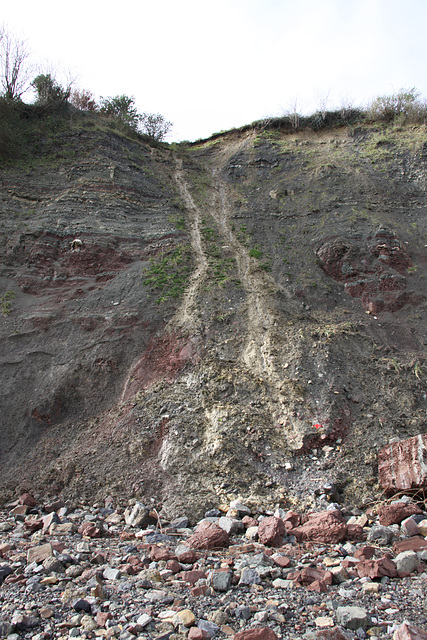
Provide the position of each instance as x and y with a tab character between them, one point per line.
210	627
221	580
381	535
352	617
243	612
111	574
249	576
231	525
138	516
407	561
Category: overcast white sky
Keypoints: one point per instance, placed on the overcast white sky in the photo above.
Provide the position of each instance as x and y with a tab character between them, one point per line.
212	65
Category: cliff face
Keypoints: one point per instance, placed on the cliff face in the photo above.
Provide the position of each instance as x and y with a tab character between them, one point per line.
241	316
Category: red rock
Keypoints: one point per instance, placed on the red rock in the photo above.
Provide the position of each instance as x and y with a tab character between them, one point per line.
376	568
208	535
192	576
318	585
187	557
416	543
409	632
305	577
271	531
20	510
401	465
102	617
395	513
173	565
282	561
333	633
197	634
27	499
366	553
159	553
199	591
4	548
291	520
410	527
325	526
257	633
54	506
355	532
249	522
89	529
33	524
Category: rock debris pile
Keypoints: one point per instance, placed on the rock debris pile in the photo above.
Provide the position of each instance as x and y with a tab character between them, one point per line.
121	571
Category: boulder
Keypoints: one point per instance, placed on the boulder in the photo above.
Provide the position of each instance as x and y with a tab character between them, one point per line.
401	465
395	512
271	531
325	526
208	535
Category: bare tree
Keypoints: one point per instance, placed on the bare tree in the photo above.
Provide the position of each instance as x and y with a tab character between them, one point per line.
322	101
14	69
154	125
292	113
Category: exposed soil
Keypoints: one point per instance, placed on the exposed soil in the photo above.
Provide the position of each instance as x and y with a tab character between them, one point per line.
278	343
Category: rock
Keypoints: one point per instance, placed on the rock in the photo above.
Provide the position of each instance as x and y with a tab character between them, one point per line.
138	516
231	526
90	530
395	512
377	568
197	634
103	616
407	561
325	526
27	499
208	535
401	464
192	576
407	631
185	617
82	605
335	633
249	576
241	508
5	571
257	633
422	528
416	543
40	553
409	527
111	574
381	535
221	580
280	583
352	617
271	531
210	628
185	555
52	564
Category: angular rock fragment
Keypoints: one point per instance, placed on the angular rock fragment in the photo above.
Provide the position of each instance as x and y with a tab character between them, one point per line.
271	531
325	526
395	512
208	536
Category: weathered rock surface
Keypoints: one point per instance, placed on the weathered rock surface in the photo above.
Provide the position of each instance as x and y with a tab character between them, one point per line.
402	465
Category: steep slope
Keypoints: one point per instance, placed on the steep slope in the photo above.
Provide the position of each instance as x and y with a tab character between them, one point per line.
245	315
